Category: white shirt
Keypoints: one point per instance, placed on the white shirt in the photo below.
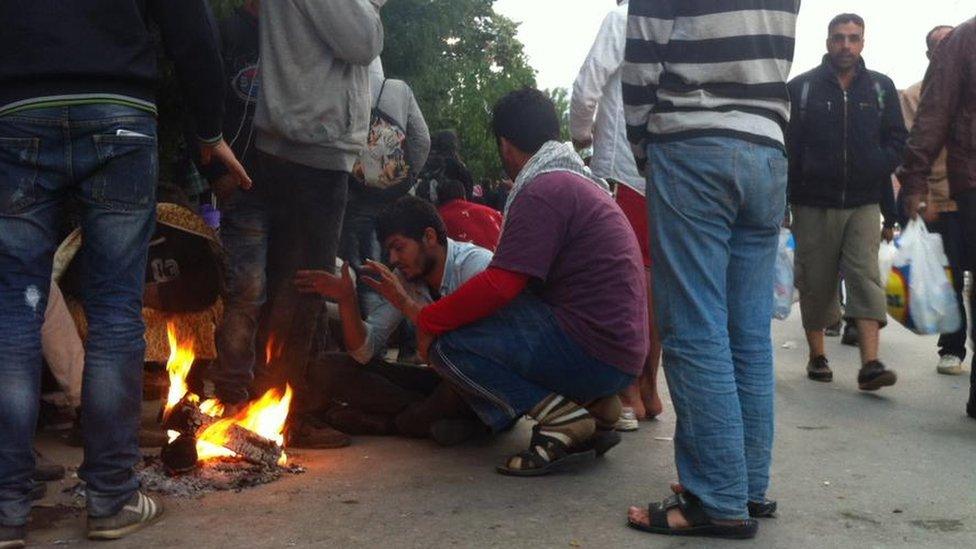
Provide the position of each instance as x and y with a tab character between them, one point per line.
597	92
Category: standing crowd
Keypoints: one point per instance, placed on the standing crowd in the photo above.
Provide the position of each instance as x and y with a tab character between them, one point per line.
348	228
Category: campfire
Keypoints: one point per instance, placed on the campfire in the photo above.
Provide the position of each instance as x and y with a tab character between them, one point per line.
199	431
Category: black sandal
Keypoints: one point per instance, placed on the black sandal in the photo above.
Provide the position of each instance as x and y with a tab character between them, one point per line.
545	455
694	512
601	442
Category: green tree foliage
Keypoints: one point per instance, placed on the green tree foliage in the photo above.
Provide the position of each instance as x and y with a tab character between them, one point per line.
459	56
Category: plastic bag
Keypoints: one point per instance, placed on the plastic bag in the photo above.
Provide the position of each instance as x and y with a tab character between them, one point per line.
919	290
886	260
783	282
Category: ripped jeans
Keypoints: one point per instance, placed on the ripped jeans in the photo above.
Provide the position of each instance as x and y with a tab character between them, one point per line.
46	155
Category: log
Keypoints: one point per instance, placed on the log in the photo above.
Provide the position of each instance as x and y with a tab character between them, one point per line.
187	419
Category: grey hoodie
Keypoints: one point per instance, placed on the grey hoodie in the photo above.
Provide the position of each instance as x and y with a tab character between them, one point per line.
314	103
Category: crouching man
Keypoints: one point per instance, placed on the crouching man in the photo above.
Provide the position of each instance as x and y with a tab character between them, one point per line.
557	325
386	398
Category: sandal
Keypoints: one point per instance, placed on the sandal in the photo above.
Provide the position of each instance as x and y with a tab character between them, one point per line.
545	455
694	512
601	442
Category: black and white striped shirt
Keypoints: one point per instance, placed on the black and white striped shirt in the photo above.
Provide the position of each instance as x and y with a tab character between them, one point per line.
708	68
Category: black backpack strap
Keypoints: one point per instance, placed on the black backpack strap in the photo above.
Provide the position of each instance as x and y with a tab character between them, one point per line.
380	96
804	99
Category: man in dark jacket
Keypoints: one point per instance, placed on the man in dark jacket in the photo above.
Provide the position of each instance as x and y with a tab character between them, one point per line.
77	117
946	117
845	139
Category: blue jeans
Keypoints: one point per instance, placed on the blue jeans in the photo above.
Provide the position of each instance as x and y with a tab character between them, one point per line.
45	156
716	205
507	363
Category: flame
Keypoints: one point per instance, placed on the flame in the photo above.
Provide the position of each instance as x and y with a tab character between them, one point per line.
265	416
271	350
179	364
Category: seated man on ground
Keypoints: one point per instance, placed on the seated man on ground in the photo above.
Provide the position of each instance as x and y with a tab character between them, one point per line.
386	398
557	325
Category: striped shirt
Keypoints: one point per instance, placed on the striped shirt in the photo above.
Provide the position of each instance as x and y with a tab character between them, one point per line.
698	68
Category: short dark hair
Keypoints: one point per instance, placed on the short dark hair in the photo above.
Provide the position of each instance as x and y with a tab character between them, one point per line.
930	37
526	118
845	18
411	217
450	189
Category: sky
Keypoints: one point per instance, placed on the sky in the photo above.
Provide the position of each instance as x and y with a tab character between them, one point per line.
558	33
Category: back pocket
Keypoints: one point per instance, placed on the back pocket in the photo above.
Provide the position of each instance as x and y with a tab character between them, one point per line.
127	172
18	173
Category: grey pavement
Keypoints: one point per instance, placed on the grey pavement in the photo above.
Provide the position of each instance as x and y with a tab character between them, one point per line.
892	469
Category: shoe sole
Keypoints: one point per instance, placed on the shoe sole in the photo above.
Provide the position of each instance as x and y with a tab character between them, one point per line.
13	544
626	425
886	379
823	378
120	533
950	371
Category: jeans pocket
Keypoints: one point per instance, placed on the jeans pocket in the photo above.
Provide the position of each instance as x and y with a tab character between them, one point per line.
18	173
699	179
127	172
778	173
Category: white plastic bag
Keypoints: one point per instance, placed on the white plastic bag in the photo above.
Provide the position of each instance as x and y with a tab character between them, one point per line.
922	262
886	260
783	282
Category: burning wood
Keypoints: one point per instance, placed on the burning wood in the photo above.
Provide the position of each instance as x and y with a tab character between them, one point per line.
187	419
254	434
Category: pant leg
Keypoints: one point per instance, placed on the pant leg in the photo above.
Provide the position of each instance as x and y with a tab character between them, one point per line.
507	363
375	388
967	215
950	227
859	261
244	234
818	233
32	174
693	203
762	181
62	347
306	218
116	181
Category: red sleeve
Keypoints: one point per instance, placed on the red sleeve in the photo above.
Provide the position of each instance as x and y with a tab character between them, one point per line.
477	298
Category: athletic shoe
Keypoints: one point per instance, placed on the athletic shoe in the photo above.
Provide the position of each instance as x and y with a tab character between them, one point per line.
141	511
949	365
13	537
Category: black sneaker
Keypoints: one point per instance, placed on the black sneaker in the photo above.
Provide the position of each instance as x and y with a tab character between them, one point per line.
12	537
139	512
874	376
833	330
818	369
851	335
762	509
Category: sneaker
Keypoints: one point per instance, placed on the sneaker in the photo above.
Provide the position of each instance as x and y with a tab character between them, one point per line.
762	509
949	365
627	422
874	376
141	511
12	537
308	434
851	335
818	369
833	330
46	470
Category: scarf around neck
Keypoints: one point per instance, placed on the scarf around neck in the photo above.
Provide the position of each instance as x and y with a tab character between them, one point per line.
552	157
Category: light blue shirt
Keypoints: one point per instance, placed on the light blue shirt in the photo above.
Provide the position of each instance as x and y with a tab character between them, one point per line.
463	262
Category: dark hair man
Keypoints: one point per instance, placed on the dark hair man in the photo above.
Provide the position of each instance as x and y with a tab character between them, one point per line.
845	139
77	117
311	123
707	102
945	120
942	216
557	325
427	266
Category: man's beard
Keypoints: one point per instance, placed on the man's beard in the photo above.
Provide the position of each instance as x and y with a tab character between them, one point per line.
427	265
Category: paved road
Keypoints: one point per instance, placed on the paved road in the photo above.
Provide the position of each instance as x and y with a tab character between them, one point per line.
896	469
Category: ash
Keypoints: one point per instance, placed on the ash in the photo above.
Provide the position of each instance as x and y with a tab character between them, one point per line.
212	476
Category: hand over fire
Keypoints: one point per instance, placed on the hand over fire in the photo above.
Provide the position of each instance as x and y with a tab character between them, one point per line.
327	284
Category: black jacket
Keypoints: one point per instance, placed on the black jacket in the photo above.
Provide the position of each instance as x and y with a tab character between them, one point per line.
104	50
844	146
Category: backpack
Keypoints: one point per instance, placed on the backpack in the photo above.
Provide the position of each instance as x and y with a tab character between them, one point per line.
879	93
383	162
